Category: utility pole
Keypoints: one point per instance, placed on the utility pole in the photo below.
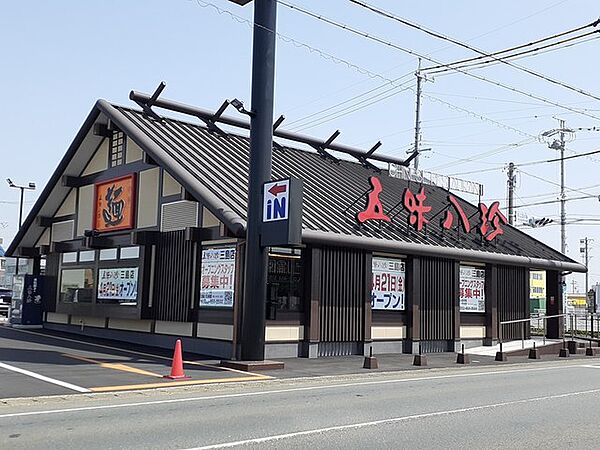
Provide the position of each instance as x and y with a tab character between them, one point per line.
418	117
563	200
261	148
511	193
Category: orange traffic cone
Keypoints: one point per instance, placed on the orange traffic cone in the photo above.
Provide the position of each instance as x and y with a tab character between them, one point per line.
177	372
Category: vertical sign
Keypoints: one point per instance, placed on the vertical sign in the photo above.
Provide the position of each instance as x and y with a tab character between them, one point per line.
388	284
276	200
217	277
472	289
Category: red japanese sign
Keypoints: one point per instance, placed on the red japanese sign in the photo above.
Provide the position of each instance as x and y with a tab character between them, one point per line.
491	218
374	208
114	204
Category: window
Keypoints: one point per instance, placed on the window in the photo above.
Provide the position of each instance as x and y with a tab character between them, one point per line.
130	252
117	148
70	257
284	285
76	285
87	256
108	254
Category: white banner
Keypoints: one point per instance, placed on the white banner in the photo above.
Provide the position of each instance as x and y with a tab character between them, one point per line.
118	284
217	277
472	289
388	284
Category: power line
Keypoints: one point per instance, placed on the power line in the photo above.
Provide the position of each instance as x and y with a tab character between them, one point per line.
414	53
566	43
437	35
518	47
328	56
302	122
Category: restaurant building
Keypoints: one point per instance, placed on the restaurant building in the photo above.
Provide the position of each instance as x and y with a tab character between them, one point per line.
142	227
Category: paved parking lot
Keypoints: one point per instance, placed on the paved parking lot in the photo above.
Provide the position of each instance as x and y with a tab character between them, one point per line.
35	362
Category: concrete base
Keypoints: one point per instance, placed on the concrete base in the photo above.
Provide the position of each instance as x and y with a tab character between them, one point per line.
563	353
589	351
310	350
572	346
382	347
275	350
214	348
501	356
370	363
420	360
534	353
25	327
253	366
462	358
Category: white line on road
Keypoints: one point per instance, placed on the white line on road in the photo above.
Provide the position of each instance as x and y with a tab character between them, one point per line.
590	366
282	391
279	437
44	378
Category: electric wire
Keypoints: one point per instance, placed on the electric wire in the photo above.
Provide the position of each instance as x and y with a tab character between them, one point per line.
527	54
437	35
390	44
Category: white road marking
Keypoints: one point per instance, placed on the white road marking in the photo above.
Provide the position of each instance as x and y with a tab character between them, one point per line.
281	391
590	366
355	426
133	352
44	378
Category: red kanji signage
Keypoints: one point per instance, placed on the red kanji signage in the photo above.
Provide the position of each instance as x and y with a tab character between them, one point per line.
374	208
449	220
417	208
491	219
495	217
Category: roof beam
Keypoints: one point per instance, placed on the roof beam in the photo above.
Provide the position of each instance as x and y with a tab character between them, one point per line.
204	114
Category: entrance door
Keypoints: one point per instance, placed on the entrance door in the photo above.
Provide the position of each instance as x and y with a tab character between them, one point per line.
342	301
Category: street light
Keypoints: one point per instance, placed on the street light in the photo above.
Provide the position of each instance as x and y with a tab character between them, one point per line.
30	187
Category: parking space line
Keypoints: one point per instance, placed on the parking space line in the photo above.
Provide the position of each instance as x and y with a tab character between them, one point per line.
129	387
134	352
114	366
44	378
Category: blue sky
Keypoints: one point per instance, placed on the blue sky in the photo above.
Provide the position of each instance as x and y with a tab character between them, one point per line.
59	57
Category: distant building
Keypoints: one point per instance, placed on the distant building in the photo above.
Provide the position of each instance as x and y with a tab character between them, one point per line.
537	291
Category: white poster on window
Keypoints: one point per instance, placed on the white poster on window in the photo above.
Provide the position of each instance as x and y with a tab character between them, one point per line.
388	284
217	277
472	289
118	283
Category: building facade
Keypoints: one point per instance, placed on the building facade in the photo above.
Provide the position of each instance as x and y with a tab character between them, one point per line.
142	228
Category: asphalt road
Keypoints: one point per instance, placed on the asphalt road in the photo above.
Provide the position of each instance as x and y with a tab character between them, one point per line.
546	405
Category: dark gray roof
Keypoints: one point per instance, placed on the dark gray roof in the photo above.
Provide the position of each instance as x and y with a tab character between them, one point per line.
213	167
331	189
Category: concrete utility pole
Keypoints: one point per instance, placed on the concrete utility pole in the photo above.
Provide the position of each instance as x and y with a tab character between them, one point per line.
563	200
418	117
261	148
511	192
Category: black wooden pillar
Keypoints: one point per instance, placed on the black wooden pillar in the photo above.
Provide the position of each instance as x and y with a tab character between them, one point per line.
413	304
491	304
554	306
368	316
313	292
456	304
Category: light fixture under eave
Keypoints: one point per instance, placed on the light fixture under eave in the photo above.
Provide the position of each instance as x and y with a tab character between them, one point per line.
240	2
